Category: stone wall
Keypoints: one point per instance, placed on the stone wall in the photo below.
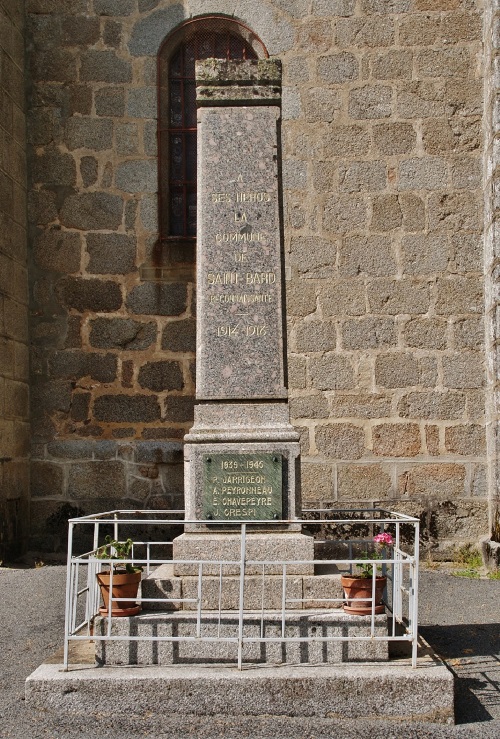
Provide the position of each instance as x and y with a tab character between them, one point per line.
14	411
382	176
492	253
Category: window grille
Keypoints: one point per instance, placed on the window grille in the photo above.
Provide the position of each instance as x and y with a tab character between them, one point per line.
204	38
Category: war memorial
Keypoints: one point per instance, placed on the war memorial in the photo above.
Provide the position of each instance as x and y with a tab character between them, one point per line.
245	607
248	280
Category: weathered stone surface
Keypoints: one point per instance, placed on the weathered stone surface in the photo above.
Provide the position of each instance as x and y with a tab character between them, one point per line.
179	408
92	211
433	481
340	441
110	101
368	333
394	297
46	479
111	253
137	176
469	333
467	440
179	336
158	299
372	255
370	102
396	440
341	215
161	376
91	480
121	333
54	167
58	250
359	405
88	170
316	481
316	336
310	406
321	105
338	68
331	372
343	297
367	482
104	66
444	405
76	364
457	295
463	370
89	133
363	176
425	333
90	294
341	140
126	408
397	370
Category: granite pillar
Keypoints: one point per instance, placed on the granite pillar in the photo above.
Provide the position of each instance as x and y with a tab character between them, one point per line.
242	454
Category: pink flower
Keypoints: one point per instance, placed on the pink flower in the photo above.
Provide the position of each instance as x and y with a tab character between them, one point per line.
384	539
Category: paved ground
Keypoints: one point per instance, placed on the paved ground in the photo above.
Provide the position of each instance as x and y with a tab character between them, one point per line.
459	617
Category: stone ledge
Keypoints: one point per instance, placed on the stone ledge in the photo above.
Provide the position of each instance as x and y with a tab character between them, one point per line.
199	651
162	583
391	692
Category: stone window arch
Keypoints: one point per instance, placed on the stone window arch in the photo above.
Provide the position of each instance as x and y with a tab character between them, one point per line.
199	38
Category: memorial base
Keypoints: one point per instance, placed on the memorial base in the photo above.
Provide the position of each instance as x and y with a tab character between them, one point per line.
263	546
194	650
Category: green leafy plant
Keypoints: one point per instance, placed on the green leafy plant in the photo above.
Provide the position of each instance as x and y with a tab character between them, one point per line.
467	573
495	575
468	555
381	542
118	550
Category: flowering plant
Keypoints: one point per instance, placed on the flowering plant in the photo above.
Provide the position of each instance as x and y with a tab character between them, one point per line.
381	541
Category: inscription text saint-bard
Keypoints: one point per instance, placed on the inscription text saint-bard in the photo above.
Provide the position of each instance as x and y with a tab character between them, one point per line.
239	280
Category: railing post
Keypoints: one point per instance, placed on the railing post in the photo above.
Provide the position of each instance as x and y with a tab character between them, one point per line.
67	615
414	595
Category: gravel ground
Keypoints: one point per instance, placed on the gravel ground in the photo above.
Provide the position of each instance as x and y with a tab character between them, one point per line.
458	616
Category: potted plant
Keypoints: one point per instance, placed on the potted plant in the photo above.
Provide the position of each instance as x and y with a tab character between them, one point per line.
123	577
358	589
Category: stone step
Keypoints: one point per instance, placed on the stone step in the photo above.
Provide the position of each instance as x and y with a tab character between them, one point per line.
302	624
162	583
390	692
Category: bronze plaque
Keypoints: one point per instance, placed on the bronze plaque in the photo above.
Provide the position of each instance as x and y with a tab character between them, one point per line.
242	487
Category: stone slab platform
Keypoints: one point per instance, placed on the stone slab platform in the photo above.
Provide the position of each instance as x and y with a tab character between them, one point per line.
162	584
302	624
260	547
392	691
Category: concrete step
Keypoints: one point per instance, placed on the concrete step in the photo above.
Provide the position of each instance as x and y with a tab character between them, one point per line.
300	624
318	589
390	692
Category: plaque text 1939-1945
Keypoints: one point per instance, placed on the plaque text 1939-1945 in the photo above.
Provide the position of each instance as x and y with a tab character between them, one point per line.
242	487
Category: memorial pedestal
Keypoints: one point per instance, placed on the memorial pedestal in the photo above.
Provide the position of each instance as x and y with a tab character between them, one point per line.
242	454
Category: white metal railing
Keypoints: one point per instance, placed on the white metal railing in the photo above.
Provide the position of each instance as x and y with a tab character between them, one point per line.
400	566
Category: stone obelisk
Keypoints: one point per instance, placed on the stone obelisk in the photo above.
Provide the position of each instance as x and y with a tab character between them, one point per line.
242	454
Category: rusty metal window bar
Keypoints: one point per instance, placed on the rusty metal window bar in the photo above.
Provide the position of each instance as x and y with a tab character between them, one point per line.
203	38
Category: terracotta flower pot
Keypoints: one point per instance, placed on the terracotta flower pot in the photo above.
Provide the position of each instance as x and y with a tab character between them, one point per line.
125	585
361	588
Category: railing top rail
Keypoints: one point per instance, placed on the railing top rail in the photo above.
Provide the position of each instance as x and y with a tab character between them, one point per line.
147	517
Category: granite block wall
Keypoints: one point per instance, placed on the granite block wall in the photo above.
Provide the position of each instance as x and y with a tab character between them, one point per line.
14	356
383	164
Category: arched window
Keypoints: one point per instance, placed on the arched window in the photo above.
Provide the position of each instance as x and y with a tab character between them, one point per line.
202	38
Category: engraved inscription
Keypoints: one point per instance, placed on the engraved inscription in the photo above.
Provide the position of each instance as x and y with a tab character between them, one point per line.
239	277
242	486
